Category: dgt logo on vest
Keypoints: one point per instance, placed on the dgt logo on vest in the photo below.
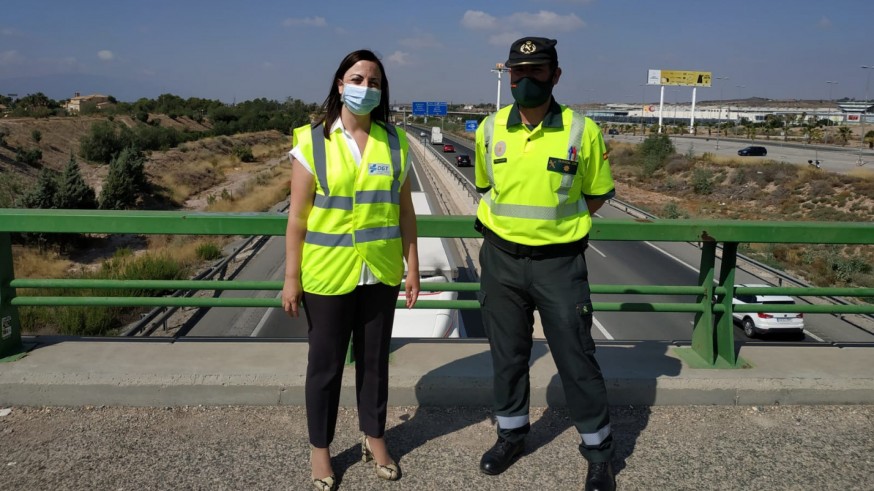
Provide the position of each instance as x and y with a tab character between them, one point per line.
379	170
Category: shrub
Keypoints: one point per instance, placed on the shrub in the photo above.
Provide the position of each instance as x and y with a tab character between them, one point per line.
702	181
208	251
244	153
30	157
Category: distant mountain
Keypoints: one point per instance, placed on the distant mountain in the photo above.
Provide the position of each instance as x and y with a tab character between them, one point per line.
64	86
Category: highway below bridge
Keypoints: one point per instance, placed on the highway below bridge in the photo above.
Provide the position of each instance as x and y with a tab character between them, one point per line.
610	262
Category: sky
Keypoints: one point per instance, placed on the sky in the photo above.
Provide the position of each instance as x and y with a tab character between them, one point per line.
434	50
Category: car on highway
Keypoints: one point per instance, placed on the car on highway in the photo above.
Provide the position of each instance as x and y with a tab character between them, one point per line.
448	148
462	161
612	131
757	323
753	151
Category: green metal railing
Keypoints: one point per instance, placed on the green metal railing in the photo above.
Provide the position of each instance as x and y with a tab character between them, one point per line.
712	335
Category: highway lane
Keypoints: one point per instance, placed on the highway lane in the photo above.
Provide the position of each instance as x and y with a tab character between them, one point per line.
610	262
833	159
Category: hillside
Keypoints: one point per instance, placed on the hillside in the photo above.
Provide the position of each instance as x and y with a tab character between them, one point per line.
189	169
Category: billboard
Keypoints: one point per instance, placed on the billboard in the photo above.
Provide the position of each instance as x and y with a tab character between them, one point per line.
679	77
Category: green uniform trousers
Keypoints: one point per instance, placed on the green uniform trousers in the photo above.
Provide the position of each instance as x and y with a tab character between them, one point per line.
553	279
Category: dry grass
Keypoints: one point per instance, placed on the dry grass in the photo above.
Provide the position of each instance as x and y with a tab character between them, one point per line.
259	193
32	263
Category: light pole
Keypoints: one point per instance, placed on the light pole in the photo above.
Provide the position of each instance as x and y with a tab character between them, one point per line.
738	87
864	111
719	124
642	110
499	69
830	84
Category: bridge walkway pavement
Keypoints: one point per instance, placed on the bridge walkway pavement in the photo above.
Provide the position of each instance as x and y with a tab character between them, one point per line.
228	414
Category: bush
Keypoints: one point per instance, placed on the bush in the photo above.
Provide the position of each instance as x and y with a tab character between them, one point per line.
671	210
208	251
702	181
244	153
103	142
30	157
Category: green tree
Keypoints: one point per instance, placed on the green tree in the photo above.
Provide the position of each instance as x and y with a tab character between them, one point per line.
103	142
36	136
43	194
73	192
125	182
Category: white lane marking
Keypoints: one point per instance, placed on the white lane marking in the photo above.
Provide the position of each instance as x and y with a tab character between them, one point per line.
263	322
675	258
601	328
814	336
596	250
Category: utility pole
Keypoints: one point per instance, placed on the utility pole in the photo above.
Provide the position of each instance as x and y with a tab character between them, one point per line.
719	124
499	69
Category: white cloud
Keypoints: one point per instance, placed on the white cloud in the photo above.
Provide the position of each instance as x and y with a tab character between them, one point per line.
477	19
542	22
10	57
424	41
504	39
306	21
399	57
546	21
825	23
105	55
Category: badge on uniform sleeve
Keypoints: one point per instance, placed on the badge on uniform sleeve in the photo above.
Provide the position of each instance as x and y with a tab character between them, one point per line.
562	166
379	170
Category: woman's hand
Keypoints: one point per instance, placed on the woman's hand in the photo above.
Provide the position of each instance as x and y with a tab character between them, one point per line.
411	287
292	294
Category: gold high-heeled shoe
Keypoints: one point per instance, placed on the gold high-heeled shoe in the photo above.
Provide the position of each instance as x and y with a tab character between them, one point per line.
325	483
389	472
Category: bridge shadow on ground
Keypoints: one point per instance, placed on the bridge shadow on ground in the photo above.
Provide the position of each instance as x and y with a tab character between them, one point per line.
631	370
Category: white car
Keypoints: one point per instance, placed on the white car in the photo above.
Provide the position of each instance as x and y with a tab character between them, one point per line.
755	323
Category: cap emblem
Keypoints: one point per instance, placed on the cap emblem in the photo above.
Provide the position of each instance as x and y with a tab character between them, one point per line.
528	48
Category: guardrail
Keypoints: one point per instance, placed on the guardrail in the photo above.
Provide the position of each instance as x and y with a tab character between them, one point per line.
712	336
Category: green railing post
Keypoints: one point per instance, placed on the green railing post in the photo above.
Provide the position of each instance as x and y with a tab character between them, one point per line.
10	326
724	322
703	342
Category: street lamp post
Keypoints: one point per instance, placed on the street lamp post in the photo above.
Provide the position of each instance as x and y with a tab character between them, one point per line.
719	124
864	111
828	127
738	87
499	69
642	110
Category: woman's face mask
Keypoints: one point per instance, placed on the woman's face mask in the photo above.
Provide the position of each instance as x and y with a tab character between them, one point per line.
360	100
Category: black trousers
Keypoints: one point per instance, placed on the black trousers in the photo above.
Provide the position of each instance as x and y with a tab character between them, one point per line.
554	280
366	314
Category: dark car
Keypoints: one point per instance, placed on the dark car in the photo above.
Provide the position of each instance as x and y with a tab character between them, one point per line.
462	161
753	152
612	131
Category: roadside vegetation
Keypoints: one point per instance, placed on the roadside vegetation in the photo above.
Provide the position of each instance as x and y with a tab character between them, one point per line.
653	177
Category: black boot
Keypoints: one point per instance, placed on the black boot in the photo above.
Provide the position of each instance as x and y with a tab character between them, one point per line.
600	477
500	456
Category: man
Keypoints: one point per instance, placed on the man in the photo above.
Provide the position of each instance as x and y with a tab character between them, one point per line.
544	171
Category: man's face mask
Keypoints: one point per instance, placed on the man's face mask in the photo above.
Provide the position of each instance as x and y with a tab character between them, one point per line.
529	92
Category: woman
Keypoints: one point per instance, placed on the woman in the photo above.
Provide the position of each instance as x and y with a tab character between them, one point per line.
350	226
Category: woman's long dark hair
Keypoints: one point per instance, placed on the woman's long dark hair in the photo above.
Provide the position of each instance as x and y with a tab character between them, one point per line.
332	105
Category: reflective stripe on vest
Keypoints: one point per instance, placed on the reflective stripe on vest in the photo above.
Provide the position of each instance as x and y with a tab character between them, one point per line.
326	201
563	209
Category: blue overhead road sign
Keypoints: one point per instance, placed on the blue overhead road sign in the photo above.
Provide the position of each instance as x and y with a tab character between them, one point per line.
470	125
419	108
436	109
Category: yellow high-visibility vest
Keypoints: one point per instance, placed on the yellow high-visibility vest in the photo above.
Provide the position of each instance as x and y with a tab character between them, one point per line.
355	217
536	180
